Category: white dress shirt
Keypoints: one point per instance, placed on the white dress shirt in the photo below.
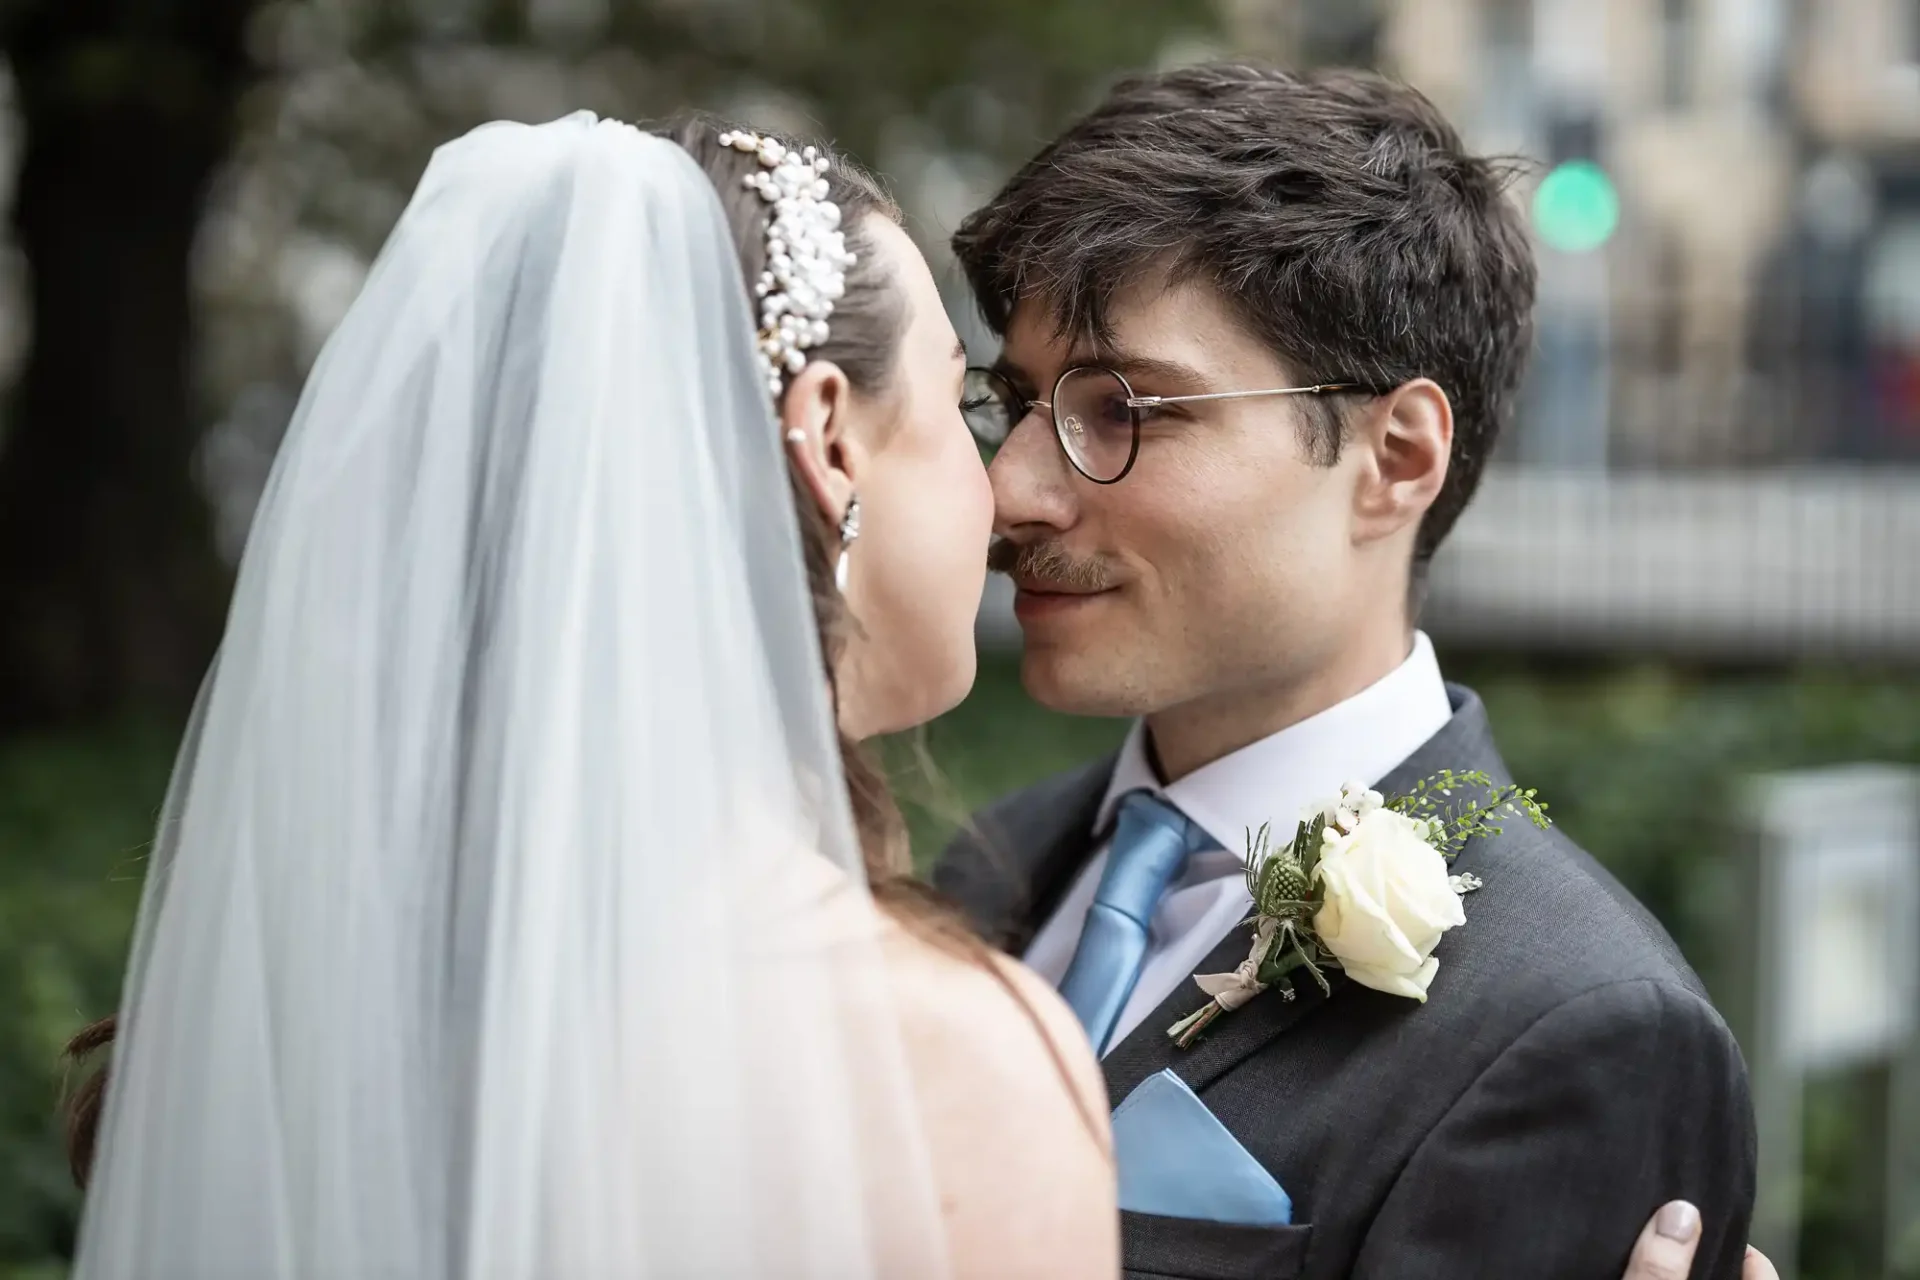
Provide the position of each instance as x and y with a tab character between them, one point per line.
1272	780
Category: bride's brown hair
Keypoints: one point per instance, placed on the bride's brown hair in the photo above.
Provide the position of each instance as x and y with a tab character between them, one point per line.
863	341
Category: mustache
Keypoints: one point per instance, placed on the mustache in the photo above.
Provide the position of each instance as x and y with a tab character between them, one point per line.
1048	563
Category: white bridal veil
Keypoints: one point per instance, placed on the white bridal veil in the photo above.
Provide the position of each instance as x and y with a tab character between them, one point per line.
506	918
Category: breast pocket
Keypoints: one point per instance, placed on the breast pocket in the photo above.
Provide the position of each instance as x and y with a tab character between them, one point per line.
1157	1248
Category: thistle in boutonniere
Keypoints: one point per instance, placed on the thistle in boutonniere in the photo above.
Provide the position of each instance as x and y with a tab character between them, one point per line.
1362	887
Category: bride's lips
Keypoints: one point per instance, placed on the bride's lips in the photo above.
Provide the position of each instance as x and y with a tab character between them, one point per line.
1033	601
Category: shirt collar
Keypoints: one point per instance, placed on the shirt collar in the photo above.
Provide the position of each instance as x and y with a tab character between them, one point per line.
1275	778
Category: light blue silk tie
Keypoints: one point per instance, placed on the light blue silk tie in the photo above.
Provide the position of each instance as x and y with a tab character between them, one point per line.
1152	841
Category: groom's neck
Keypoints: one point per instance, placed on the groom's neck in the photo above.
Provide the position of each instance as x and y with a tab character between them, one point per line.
1194	734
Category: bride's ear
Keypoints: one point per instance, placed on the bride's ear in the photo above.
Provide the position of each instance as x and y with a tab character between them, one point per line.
816	420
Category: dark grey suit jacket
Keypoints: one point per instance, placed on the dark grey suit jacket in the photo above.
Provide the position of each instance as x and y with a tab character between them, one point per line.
1566	1076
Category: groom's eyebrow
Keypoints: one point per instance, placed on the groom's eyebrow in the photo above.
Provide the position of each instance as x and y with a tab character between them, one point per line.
1169	373
1130	365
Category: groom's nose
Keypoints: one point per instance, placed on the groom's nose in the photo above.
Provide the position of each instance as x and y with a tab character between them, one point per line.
1032	479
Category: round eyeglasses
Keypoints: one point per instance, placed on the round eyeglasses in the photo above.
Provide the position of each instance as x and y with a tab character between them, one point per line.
1096	414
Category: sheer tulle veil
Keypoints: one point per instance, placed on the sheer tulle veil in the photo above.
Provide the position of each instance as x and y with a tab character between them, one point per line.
506	917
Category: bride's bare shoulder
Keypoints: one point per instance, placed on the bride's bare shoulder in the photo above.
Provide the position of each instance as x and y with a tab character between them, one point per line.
1011	1102
986	1007
1014	1106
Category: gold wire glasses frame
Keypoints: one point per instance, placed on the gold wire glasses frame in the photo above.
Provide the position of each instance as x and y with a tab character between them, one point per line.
998	408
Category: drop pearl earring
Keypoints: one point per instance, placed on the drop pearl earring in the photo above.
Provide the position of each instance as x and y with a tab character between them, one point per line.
849	530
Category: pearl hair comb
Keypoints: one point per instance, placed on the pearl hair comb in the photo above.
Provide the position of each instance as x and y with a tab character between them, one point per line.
807	256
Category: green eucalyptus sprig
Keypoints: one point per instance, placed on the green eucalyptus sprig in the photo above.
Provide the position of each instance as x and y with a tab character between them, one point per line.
1457	821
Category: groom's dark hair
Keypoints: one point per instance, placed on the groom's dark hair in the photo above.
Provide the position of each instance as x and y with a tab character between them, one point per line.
1337	211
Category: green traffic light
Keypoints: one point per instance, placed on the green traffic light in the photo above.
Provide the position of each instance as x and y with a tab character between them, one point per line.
1575	208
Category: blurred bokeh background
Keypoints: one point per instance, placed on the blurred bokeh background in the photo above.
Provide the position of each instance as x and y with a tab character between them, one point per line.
1693	576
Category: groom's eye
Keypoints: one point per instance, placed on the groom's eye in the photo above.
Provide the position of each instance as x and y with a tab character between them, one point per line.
1113	411
1152	413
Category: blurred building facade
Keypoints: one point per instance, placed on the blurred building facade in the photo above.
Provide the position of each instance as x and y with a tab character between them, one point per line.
1761	298
1718	453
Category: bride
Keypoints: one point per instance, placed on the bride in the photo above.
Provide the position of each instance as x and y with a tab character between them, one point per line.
513	910
522	905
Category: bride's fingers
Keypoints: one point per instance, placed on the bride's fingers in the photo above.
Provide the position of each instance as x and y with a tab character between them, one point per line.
1757	1267
1665	1248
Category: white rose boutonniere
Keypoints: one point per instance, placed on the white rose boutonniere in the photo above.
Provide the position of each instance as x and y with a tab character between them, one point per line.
1363	886
1385	903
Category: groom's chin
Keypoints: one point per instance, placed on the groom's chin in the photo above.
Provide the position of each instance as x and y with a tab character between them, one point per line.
1077	680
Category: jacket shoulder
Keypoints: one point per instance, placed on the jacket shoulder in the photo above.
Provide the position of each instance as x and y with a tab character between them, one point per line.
1550	923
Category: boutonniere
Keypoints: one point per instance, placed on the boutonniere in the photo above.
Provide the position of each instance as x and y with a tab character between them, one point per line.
1363	886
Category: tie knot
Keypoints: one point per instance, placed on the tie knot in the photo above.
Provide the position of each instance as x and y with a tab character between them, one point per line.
1152	841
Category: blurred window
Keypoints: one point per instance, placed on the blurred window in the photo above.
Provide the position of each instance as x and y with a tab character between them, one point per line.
1893	332
1676	52
1507	105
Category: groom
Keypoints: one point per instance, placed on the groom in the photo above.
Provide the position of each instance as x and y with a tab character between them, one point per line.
1242	575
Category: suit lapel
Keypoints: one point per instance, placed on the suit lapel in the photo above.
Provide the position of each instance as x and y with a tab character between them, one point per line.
1464	742
1148	1049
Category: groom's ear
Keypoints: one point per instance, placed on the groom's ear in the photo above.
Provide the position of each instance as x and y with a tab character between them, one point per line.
816	421
1405	438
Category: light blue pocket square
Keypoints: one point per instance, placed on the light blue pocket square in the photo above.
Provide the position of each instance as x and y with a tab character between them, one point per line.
1178	1161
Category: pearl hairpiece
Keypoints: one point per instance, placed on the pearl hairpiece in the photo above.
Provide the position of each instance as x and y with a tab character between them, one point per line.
807	257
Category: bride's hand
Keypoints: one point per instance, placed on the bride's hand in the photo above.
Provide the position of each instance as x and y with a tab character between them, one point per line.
1665	1248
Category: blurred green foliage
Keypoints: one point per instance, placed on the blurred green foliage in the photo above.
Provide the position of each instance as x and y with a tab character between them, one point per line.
76	813
1631	760
354	94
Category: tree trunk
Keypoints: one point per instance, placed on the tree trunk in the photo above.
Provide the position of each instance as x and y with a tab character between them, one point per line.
111	590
